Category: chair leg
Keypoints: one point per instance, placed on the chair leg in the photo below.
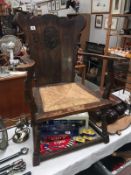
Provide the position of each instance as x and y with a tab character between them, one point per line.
36	137
110	82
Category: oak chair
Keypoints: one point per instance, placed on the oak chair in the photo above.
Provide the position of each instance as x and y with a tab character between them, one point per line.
52	42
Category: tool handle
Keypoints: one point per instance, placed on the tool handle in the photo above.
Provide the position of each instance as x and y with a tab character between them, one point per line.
5	168
9	158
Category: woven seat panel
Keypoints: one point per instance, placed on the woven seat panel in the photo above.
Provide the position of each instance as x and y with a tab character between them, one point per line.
64	96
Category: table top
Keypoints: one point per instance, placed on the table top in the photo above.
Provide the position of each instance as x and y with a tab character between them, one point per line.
68	164
12	75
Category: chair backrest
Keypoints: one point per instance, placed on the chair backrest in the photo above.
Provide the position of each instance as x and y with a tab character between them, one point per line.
52	42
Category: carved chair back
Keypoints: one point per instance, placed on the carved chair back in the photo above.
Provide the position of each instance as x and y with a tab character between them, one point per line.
52	42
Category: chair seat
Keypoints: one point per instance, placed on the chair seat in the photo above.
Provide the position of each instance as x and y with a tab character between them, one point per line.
65	99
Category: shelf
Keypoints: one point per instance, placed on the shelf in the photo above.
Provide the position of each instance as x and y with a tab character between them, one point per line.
121	15
124	36
105	57
99	13
113	15
122	80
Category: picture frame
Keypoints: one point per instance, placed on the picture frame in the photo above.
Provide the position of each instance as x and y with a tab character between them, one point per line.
98	21
127	6
57	4
53	5
63	4
116	6
100	6
114	23
49	6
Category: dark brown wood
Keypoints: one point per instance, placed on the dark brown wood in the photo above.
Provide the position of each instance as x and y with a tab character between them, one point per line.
86	31
121	15
81	68
52	43
124	36
47	36
106	57
108	35
110	81
36	140
12	101
105	62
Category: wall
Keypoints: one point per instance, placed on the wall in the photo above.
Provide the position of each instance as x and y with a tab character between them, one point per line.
99	35
85	7
96	35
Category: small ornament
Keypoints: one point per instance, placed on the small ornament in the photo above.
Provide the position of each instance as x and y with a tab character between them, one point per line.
75	4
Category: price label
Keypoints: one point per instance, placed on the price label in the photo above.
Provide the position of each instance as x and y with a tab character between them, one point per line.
32	28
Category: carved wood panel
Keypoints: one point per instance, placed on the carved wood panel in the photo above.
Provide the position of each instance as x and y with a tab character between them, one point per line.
52	41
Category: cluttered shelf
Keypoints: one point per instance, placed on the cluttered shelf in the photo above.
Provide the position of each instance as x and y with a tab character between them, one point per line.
93	57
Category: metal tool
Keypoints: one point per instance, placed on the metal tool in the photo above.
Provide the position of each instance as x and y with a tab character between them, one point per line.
17	166
23	151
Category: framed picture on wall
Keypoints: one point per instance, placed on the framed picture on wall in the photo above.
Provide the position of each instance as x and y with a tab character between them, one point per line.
98	21
127	7
100	6
63	4
53	5
114	23
116	6
49	6
57	4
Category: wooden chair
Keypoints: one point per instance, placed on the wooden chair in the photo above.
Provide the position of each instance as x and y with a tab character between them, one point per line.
52	42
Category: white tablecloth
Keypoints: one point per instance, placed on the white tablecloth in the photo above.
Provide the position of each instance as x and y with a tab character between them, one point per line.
70	163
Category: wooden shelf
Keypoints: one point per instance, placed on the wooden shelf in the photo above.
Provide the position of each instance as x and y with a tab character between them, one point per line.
99	13
124	36
113	15
121	15
105	57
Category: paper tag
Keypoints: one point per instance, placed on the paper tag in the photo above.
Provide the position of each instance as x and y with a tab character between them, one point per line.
32	28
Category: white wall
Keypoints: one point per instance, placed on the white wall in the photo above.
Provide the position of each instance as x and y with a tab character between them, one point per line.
99	35
96	35
85	7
